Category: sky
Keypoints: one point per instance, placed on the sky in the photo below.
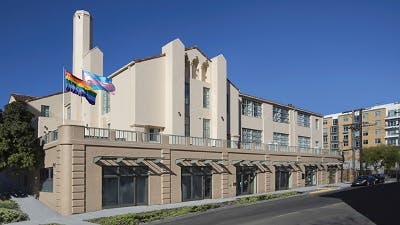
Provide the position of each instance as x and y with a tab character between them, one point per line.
323	56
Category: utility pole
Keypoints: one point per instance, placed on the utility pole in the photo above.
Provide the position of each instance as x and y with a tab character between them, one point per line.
355	126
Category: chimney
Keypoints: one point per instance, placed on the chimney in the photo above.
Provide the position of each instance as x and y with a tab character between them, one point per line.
82	40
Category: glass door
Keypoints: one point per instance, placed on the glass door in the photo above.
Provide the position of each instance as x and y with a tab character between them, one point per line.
245	180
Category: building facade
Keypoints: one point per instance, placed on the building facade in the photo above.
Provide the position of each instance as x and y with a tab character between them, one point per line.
176	130
351	131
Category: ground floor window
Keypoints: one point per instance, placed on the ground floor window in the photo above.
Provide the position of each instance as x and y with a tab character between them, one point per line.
310	175
331	175
124	186
196	182
245	180
46	179
282	176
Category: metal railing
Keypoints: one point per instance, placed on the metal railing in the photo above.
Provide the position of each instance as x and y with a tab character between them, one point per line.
315	151
126	135
50	136
176	140
156	138
97	133
281	148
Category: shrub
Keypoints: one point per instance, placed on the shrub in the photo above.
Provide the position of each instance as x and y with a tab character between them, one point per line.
8	204
11	215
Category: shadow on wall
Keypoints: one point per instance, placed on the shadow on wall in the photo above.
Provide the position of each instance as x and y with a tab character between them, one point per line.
379	203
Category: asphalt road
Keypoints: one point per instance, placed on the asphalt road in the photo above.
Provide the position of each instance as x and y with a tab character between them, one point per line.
355	206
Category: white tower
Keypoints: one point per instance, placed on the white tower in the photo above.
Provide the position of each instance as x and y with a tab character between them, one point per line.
87	58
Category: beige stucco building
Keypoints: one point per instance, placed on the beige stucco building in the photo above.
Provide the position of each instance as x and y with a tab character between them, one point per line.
351	131
176	130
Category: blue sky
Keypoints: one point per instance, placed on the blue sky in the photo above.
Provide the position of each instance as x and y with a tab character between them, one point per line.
312	54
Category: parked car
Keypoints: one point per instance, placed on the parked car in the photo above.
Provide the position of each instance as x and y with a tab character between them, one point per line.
380	178
365	180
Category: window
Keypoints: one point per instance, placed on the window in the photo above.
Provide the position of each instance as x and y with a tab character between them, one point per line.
206	97
325	131
356	118
280	115
45	110
392	112
105	106
334	130
346	137
196	182
325	139
392	132
365	133
251	136
345	143
391	141
378	131
281	139
335	146
46	179
303	119
377	122
303	142
377	113
124	186
316	124
377	140
334	138
392	123
345	118
335	122
154	135
345	129
365	142
325	121
365	115
251	108
206	128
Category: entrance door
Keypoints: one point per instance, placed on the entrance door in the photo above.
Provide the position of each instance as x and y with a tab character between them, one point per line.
245	180
310	175
282	175
124	186
332	175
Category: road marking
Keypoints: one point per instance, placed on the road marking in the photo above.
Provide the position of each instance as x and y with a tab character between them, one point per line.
323	190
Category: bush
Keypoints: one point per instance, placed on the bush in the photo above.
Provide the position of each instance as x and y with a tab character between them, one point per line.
11	215
8	204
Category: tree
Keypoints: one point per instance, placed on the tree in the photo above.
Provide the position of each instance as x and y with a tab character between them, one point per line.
17	138
381	155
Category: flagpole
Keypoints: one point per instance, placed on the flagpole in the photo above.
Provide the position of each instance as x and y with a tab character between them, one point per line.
63	100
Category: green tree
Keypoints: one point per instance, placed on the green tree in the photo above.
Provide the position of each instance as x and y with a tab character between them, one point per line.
17	138
381	155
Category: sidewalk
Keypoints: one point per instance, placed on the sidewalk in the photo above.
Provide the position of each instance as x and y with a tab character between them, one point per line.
41	214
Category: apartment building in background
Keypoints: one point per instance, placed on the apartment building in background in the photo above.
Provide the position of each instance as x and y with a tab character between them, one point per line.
360	129
176	130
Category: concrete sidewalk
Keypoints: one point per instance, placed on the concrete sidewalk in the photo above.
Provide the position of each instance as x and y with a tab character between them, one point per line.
41	214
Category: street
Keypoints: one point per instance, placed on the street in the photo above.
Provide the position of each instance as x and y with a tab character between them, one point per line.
351	206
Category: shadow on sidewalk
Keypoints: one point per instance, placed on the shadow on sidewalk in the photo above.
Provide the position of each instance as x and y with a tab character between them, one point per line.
379	203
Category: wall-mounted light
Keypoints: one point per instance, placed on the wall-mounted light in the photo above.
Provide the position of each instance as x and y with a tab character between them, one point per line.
179	113
222	118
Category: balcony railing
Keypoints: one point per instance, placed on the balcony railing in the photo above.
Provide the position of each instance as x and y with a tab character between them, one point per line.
97	133
156	138
50	136
209	142
281	148
176	140
125	135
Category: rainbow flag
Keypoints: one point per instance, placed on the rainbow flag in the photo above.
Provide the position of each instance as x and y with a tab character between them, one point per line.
80	87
